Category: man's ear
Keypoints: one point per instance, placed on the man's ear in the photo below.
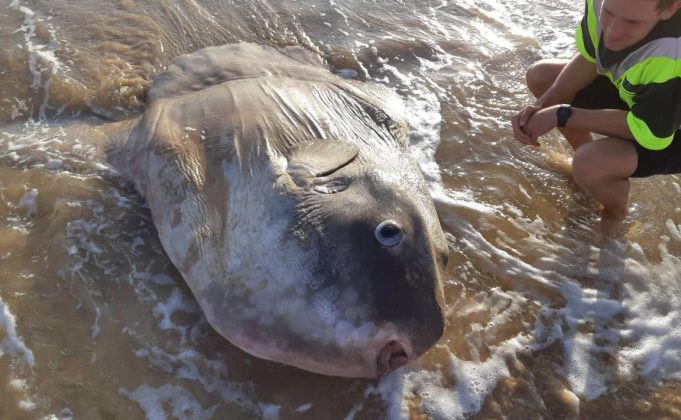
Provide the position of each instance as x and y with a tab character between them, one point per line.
671	10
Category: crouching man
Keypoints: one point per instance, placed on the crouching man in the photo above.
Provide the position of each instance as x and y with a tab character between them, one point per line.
624	84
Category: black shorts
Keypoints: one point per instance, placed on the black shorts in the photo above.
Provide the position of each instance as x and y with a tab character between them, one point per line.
602	94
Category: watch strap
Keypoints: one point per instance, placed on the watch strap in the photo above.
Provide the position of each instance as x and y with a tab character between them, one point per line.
563	114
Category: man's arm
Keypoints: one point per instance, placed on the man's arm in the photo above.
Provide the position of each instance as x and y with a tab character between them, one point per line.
608	122
576	75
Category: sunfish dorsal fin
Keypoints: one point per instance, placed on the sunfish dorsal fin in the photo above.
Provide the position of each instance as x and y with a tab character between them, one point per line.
220	64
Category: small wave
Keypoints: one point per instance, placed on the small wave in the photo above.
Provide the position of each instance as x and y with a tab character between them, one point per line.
21	358
11	343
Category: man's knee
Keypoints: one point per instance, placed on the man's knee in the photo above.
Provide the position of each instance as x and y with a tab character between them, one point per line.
603	160
541	75
585	167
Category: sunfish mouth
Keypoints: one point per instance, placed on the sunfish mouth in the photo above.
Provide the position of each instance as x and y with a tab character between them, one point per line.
393	356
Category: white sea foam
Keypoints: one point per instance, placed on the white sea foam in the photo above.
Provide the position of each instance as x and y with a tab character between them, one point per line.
475	378
65	414
303	408
176	302
20	356
183	361
269	411
626	284
424	118
651	339
54	164
182	403
42	57
188	364
11	343
95	328
29	202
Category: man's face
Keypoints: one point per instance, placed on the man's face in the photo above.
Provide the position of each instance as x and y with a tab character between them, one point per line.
626	22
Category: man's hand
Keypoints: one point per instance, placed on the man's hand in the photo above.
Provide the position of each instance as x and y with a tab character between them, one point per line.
576	75
540	123
519	123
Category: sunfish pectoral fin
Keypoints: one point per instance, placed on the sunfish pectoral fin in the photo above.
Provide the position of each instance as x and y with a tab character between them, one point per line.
318	158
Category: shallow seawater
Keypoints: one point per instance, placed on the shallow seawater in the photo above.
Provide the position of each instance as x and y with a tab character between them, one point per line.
545	317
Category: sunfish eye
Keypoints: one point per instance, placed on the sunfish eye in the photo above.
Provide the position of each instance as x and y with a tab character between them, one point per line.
389	234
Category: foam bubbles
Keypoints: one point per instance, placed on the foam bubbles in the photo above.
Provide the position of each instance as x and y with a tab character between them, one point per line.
181	402
42	57
64	414
651	340
11	343
270	411
29	202
176	302
424	135
473	381
21	357
581	369
187	364
303	408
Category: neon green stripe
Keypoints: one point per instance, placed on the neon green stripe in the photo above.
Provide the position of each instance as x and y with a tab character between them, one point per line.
644	136
591	22
653	70
579	38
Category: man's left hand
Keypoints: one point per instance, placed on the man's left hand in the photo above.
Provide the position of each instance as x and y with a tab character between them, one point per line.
541	122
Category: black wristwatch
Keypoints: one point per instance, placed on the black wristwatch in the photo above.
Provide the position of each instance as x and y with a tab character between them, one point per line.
563	113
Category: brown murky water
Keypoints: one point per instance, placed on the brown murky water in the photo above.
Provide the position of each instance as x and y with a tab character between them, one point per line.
545	318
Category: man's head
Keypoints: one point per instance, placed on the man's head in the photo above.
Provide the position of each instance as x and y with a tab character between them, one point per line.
626	22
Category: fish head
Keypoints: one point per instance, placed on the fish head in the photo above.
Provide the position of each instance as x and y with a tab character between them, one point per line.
357	266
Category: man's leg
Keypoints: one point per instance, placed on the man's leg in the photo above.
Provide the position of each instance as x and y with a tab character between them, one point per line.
602	168
540	76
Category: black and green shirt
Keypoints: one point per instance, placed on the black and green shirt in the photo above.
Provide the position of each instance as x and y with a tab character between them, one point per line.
647	75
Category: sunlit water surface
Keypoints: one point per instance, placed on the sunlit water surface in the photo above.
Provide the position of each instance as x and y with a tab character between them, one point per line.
545	317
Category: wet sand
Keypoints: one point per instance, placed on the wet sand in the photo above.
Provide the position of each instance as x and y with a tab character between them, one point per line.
544	317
